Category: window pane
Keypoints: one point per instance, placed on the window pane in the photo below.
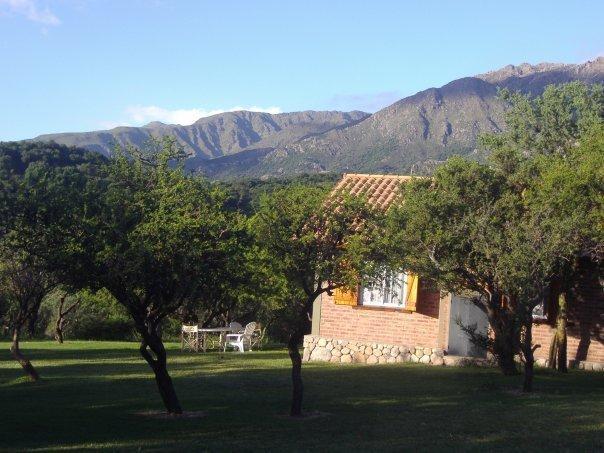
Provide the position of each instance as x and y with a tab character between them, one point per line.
390	291
386	288
398	293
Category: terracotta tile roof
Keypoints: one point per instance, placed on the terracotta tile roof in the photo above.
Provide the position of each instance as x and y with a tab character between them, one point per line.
380	190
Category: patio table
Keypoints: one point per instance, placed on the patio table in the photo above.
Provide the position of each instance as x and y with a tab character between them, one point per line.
221	331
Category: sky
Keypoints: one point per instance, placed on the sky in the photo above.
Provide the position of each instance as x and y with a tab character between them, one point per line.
77	65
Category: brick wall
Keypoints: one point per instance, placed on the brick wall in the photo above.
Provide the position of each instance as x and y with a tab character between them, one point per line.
423	328
585	332
384	325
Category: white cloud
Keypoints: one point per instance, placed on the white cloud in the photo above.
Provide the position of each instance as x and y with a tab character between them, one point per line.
31	10
144	114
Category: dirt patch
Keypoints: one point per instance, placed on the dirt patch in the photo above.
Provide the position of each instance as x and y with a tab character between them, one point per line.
163	415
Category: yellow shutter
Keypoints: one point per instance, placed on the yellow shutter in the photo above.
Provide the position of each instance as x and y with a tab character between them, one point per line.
412	291
343	297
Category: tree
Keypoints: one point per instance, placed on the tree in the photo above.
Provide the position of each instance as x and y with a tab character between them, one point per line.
97	316
17	157
62	314
548	124
232	288
36	201
499	234
541	147
528	261
566	193
317	245
24	283
155	237
451	228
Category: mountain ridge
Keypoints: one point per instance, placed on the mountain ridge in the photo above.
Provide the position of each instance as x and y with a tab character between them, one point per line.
216	135
412	135
416	133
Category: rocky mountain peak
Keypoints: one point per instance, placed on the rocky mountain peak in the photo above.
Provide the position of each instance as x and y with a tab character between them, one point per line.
528	71
413	134
522	70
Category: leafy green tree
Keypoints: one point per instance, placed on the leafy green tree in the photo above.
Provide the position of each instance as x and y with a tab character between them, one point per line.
63	316
457	229
451	228
506	236
244	289
36	203
245	193
156	236
541	152
24	283
17	157
96	316
528	259
566	194
548	124
317	245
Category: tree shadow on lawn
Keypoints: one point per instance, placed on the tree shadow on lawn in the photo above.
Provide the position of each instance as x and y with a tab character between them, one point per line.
39	354
388	407
75	352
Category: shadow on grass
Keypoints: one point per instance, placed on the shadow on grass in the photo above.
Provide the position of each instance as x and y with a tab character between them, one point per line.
93	405
72	352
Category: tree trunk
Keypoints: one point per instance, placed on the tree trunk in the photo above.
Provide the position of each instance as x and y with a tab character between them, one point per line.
529	357
506	335
59	324
152	342
59	330
30	371
505	355
62	318
293	347
504	342
558	348
297	387
507	363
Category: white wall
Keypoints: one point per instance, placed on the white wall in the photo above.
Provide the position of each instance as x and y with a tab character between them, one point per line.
464	311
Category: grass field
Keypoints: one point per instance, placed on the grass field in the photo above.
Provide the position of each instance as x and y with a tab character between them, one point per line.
92	394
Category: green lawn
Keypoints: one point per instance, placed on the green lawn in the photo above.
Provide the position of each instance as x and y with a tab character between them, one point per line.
92	391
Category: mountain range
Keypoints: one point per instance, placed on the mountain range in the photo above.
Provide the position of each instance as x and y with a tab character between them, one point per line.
410	136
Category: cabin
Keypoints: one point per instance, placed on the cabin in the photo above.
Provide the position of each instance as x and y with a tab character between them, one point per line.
406	318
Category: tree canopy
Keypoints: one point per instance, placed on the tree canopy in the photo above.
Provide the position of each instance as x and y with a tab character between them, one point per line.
317	244
506	230
158	238
42	186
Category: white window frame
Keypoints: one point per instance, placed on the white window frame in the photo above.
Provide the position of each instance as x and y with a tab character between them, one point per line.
383	295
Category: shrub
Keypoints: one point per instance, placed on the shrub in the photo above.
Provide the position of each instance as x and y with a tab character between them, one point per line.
97	317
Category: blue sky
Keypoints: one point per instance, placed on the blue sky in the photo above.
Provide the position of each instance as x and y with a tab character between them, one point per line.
75	65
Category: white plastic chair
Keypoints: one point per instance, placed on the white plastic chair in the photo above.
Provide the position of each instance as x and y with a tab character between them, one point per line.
235	327
189	338
258	336
238	340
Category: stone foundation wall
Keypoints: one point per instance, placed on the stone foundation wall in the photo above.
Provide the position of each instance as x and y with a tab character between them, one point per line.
579	364
346	351
320	349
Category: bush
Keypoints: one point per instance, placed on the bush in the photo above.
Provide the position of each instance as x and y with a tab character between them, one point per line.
89	328
97	317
